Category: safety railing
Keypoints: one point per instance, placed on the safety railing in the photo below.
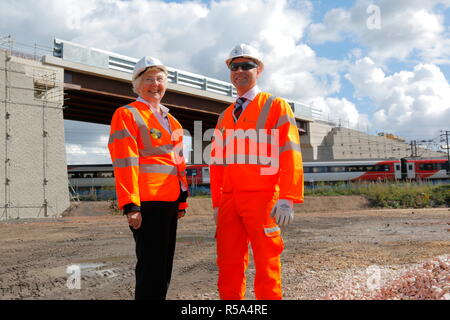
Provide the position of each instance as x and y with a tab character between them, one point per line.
98	58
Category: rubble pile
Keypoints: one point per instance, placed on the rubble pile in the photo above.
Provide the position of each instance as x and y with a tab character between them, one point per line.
429	281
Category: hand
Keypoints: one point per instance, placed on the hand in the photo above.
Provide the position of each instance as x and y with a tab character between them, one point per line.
181	213
283	212
216	214
134	219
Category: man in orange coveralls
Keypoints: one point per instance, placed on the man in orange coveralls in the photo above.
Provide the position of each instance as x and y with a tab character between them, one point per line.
256	177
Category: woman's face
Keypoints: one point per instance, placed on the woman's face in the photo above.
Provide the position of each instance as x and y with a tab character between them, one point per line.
152	86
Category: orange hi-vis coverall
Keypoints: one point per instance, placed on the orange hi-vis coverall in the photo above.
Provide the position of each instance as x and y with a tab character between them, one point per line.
254	162
147	159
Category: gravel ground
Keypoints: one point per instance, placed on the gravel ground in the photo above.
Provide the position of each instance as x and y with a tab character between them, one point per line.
336	248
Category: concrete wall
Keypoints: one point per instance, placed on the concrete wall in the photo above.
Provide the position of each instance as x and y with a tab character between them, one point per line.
33	167
346	143
323	142
313	143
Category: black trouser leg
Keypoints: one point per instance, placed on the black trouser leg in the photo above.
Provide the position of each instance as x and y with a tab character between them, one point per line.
155	249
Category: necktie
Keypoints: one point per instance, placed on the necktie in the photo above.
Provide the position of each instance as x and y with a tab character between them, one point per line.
238	107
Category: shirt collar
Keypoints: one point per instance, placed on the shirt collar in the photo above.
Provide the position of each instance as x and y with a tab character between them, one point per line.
164	109
251	94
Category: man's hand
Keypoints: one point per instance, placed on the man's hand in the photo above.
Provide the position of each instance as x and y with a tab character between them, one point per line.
134	219
283	212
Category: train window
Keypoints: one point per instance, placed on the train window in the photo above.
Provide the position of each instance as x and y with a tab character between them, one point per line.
337	169
319	169
307	169
106	174
370	168
427	166
191	172
381	168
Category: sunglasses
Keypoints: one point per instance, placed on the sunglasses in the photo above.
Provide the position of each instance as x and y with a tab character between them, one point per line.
243	65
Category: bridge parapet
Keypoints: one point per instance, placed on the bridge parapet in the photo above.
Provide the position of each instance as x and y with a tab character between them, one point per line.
108	60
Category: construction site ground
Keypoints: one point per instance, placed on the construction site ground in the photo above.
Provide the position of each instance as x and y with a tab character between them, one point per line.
330	240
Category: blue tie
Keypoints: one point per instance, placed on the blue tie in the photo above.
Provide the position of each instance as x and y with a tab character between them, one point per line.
238	107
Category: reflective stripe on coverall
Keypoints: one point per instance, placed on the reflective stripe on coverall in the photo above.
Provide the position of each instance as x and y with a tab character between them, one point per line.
249	173
147	159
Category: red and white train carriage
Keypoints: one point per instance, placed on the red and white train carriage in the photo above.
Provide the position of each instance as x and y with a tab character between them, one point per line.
354	170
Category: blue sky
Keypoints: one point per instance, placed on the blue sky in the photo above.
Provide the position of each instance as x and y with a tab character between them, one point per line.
382	65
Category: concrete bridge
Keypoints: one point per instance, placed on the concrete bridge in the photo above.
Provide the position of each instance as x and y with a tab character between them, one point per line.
82	84
96	82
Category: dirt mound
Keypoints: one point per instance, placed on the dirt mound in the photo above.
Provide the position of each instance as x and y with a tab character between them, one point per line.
311	204
201	206
333	203
90	209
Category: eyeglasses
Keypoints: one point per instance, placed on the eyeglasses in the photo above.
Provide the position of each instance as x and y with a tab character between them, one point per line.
243	65
151	79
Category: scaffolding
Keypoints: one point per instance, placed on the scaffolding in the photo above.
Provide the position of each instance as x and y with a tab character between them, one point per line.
47	94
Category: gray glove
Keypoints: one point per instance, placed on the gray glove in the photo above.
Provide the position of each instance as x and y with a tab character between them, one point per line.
283	212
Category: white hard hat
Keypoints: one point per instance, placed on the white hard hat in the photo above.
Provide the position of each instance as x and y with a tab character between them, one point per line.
245	51
145	63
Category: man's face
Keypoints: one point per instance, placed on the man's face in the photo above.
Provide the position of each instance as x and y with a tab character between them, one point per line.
152	86
244	80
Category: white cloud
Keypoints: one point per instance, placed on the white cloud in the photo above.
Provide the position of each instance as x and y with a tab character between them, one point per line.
86	143
197	37
341	111
86	153
75	149
407	28
413	103
192	35
336	22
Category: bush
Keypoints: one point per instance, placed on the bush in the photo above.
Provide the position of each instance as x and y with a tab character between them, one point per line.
389	194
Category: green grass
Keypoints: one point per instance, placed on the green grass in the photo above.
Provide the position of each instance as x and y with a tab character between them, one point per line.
389	195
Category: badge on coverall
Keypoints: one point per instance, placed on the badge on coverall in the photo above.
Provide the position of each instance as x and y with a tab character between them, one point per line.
155	133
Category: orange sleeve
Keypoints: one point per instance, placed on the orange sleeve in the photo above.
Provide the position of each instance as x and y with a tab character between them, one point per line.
216	168
180	161
291	163
123	149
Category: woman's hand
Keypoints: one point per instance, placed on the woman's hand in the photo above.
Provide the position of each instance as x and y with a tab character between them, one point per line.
134	219
181	213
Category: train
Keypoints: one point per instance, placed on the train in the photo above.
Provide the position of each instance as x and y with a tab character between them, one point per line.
354	170
330	171
91	176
